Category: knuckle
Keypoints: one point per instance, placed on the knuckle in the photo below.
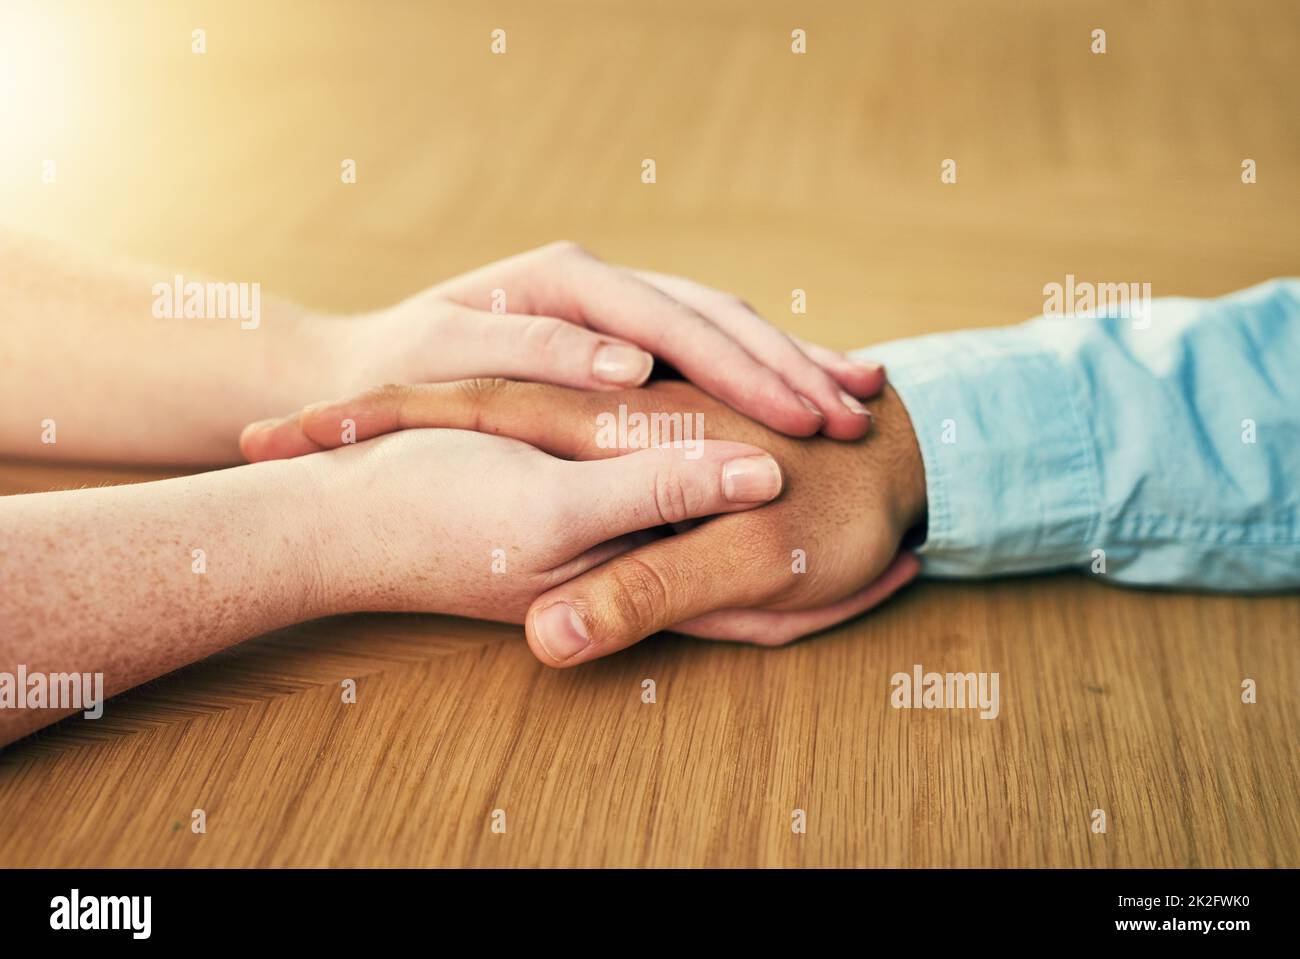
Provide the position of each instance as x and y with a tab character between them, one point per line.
640	594
480	393
672	497
389	395
568	248
482	389
544	336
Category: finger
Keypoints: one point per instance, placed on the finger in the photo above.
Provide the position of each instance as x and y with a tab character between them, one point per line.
846	418
659	487
862	378
278	439
738	318
497	406
545	349
777	627
639	593
618	302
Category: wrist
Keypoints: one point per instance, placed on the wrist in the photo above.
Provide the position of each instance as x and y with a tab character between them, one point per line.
350	528
902	467
331	348
298	524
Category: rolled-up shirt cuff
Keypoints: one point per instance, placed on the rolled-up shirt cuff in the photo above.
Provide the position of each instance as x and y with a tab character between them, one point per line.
1011	477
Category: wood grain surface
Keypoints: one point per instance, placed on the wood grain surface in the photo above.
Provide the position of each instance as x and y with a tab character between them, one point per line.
775	171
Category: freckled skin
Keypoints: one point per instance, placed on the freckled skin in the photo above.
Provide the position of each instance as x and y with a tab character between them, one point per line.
108	585
102	580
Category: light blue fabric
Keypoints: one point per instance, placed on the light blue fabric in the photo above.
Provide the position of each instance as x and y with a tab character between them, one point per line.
1046	441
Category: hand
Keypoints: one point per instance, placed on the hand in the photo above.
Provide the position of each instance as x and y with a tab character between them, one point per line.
457	522
574	321
845	511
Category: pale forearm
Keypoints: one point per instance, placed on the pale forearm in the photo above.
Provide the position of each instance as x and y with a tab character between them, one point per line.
97	358
135	581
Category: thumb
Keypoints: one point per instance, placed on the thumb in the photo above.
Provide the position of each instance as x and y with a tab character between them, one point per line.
639	593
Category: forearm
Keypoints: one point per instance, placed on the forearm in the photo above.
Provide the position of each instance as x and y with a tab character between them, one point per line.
132	582
100	361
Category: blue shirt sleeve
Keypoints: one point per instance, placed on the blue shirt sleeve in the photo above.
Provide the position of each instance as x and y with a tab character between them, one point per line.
1160	450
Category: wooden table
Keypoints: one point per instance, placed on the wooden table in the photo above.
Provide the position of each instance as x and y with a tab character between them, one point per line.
775	171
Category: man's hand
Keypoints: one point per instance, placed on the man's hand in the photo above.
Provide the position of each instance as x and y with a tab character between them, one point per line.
825	551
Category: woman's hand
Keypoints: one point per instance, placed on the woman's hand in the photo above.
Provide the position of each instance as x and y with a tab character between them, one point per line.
559	315
131	371
129	582
827	550
451	521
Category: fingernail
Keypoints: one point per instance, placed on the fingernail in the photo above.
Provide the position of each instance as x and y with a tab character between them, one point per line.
812	407
561	631
751	479
872	368
623	365
853	405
